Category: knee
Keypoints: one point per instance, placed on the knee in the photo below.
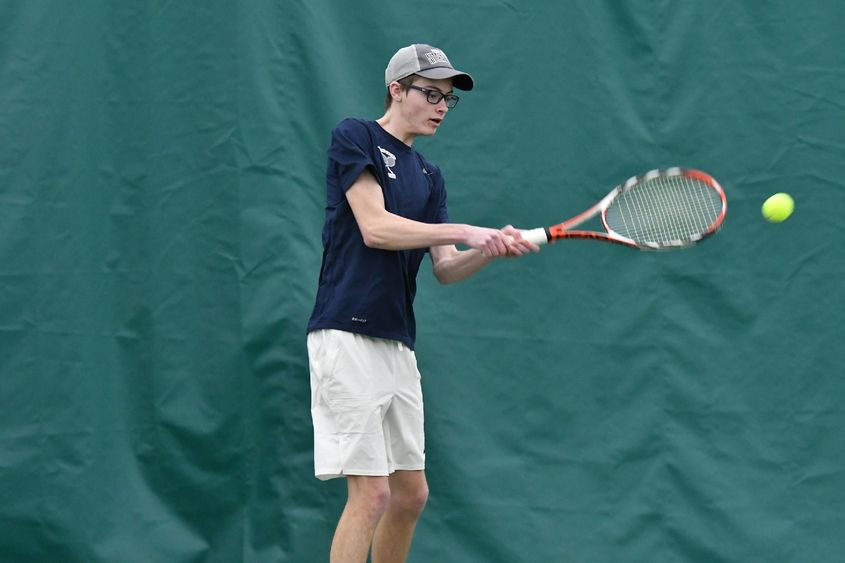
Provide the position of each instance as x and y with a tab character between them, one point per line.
411	500
372	496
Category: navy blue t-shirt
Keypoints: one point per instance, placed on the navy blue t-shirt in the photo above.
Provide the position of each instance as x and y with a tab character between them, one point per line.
368	290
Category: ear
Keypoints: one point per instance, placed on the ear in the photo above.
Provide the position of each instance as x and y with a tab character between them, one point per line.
395	90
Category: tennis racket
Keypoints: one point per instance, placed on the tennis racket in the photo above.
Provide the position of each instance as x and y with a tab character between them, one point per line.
661	209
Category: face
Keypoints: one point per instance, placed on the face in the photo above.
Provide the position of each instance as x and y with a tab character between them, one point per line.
421	117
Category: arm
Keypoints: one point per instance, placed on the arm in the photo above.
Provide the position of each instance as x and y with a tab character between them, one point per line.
452	265
387	231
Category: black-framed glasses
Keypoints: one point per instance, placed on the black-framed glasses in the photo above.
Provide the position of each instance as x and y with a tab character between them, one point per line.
434	96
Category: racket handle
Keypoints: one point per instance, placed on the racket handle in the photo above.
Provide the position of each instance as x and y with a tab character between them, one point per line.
537	236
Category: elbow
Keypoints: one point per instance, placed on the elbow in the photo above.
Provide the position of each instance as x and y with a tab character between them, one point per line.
372	239
368	235
442	278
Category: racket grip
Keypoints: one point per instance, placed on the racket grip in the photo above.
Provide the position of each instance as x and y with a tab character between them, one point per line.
537	236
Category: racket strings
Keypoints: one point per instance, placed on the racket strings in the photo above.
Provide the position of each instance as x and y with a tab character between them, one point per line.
665	211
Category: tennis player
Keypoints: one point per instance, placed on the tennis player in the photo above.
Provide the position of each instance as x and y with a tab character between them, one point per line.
386	207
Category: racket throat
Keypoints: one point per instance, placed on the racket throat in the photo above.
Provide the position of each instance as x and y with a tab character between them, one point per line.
556	232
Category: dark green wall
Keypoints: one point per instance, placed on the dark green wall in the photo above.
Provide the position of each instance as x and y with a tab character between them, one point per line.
162	174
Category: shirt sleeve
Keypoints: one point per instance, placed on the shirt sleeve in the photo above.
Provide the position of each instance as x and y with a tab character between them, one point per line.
350	152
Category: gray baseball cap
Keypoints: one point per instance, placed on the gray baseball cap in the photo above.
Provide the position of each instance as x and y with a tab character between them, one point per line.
426	61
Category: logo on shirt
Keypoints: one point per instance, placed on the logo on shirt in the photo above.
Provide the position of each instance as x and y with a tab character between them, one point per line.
389	162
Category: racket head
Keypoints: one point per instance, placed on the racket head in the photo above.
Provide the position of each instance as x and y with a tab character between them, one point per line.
665	209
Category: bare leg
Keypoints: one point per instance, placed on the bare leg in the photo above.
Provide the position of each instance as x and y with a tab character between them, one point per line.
368	497
408	495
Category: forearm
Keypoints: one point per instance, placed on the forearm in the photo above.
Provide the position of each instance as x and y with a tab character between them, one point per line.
392	232
388	231
460	266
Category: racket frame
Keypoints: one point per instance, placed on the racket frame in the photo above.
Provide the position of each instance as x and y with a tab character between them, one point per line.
567	229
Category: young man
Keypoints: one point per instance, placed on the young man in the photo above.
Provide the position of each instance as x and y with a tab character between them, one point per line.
386	207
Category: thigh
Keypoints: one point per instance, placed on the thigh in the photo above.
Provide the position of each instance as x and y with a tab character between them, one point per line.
348	402
405	420
348	380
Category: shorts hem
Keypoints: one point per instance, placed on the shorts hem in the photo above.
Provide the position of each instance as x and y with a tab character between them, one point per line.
326	475
409	468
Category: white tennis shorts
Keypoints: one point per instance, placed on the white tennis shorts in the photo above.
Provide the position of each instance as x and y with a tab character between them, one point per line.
366	405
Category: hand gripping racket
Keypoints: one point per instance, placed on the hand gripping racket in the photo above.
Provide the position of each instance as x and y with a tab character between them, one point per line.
661	209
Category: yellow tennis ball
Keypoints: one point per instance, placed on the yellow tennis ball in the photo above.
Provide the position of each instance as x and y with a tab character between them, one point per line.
778	207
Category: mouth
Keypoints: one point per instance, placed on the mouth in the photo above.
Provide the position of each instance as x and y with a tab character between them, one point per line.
435	121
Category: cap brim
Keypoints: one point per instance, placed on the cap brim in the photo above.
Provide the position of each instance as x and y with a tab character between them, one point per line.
460	80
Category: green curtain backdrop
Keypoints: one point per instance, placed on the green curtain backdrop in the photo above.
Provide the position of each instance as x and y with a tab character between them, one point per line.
162	171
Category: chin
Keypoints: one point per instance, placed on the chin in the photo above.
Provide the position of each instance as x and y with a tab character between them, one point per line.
428	128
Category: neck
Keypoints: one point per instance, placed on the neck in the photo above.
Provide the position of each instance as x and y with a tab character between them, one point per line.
394	125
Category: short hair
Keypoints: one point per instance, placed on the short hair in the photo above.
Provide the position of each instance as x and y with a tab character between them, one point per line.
403	83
